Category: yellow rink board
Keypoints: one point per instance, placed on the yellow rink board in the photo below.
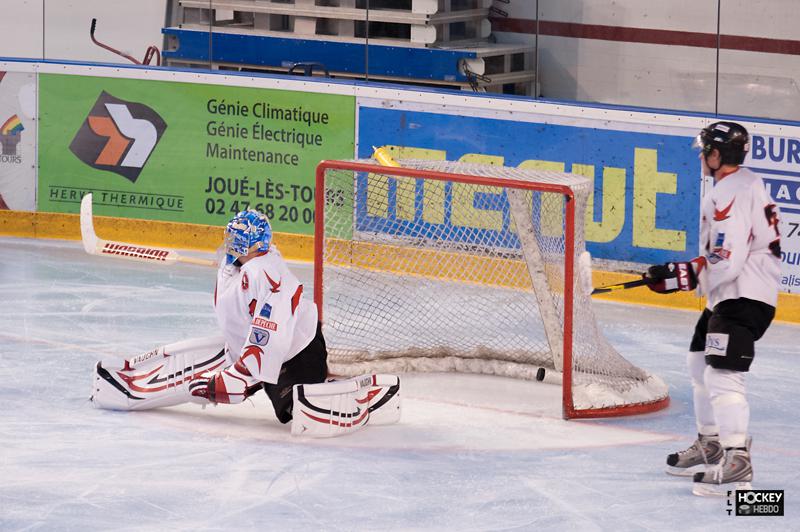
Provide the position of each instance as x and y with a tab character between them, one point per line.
301	248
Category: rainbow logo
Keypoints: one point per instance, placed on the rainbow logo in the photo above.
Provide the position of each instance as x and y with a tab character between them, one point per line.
12	126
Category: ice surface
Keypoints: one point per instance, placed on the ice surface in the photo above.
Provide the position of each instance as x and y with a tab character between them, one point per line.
471	453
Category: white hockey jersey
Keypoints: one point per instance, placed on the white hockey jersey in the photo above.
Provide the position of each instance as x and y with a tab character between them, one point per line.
262	314
740	241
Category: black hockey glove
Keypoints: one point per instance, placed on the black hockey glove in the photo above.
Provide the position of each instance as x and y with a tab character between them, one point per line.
671	277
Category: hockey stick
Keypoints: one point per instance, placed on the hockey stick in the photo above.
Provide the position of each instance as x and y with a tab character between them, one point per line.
585	277
97	246
620	286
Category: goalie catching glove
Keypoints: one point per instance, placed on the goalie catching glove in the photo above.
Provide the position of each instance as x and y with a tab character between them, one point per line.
231	386
674	276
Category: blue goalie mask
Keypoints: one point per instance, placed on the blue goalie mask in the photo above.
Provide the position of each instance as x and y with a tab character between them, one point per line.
248	231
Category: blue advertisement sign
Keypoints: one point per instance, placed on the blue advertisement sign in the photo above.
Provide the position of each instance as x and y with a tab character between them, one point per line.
777	161
645	205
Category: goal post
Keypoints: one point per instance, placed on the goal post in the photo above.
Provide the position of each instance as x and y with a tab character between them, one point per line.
446	266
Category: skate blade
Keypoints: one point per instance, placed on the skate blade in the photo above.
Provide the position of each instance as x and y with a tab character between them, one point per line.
687	471
701	489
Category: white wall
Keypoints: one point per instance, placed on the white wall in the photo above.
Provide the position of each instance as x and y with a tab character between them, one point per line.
775	19
21	24
687	15
624	73
669	76
59	29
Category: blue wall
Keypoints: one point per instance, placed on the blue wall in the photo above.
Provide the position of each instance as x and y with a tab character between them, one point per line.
517	142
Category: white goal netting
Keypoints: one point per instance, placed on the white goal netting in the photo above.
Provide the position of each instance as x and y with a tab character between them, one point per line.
462	267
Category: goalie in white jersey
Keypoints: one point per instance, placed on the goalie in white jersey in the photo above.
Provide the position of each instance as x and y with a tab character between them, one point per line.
271	339
739	273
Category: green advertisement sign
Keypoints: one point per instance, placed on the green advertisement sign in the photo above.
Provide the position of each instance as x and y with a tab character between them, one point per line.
186	152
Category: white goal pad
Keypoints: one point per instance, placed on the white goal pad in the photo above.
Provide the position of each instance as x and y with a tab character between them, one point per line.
339	407
157	378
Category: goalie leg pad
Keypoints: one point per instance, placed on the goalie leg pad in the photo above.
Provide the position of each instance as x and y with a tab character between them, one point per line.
384	400
158	378
340	407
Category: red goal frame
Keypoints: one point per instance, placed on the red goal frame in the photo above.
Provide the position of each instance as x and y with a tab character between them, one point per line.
568	409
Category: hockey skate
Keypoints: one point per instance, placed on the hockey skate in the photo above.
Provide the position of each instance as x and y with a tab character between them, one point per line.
702	454
735	473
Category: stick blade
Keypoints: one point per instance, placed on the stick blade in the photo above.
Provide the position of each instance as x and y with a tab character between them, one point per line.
123	250
88	236
585	273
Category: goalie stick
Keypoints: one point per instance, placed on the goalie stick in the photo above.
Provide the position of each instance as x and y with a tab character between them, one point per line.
122	250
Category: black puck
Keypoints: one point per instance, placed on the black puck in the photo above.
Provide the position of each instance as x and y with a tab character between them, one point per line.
540	374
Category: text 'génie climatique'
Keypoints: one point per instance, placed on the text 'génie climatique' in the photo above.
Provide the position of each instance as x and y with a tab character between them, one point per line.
232	129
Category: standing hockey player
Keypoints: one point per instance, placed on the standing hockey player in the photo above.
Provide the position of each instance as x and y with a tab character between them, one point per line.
739	272
271	339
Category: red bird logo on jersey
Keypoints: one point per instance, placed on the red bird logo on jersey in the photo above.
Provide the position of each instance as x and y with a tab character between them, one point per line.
275	287
252	351
720	215
296	298
245	281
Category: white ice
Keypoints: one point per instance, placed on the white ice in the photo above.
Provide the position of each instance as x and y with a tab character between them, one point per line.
471	452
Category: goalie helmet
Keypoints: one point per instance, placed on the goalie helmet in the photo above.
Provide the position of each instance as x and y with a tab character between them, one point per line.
730	138
248	231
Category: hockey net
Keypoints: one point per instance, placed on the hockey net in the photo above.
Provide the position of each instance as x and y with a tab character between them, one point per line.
445	266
